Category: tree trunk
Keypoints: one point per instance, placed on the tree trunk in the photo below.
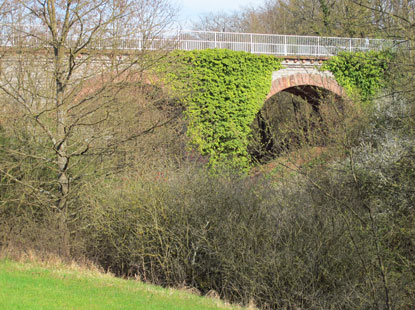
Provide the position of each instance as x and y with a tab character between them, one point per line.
59	38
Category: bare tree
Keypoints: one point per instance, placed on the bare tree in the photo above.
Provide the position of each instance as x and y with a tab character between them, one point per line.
62	78
220	22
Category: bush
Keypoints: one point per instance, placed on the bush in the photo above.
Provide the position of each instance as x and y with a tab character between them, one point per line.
293	244
337	238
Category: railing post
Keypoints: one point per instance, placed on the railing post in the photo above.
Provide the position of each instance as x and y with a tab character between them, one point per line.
318	46
285	45
252	46
215	39
350	45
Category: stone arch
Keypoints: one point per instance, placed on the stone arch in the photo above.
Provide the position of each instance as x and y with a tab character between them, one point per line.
285	80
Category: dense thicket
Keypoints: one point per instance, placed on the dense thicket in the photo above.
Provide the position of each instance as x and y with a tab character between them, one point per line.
338	235
331	235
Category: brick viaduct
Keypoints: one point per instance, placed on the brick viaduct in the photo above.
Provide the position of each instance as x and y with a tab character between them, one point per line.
299	76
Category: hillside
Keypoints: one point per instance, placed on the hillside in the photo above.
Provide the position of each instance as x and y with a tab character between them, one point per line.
31	286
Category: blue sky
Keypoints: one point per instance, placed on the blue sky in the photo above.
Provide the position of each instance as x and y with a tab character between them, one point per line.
191	9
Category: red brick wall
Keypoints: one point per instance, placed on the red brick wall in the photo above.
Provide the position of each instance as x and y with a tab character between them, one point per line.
300	79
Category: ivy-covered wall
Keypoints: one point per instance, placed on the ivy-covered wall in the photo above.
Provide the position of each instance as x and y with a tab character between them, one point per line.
227	89
361	74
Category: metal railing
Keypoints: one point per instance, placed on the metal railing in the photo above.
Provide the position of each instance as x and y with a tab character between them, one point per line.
280	45
271	44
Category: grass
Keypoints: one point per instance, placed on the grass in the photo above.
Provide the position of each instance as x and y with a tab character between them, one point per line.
31	286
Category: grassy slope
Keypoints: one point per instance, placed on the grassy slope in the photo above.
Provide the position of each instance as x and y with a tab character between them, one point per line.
28	286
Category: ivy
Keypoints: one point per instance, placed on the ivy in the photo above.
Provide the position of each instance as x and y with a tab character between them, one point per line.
361	73
227	89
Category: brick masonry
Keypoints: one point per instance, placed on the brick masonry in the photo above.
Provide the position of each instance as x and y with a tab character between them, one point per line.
287	78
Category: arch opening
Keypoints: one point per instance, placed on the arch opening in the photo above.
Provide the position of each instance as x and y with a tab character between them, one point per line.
295	118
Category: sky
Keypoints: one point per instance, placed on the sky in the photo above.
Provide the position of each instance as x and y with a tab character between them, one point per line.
191	9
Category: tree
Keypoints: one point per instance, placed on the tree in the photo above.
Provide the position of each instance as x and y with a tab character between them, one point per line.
70	66
219	22
300	17
395	19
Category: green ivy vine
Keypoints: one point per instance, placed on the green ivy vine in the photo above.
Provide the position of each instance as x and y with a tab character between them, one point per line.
226	90
361	73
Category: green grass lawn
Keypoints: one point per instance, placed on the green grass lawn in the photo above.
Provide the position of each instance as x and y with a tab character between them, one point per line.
29	286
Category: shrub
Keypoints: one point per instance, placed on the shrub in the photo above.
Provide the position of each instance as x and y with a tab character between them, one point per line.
305	242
